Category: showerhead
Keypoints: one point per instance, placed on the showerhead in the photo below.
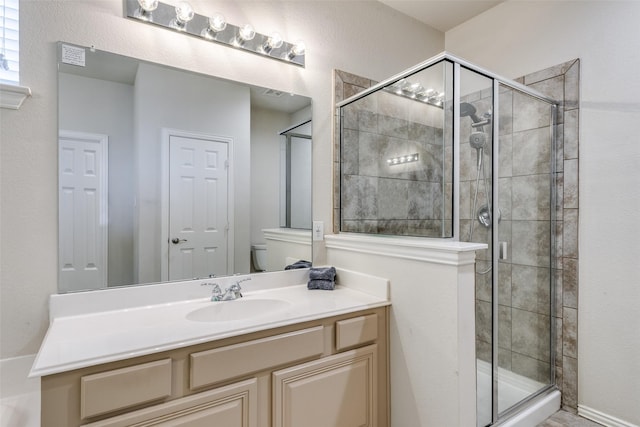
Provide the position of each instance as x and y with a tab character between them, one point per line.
468	110
478	140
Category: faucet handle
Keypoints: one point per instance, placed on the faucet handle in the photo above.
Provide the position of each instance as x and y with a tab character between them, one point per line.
236	289
242	280
216	292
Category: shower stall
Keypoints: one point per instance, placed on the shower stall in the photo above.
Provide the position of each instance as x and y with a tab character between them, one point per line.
448	150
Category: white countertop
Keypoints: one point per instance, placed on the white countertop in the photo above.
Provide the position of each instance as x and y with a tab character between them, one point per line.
80	340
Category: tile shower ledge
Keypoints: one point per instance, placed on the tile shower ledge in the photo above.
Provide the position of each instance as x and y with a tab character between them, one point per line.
438	251
81	340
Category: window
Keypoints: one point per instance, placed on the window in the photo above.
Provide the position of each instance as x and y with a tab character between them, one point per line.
9	43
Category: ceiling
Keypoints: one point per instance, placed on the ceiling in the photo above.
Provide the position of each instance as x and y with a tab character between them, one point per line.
442	15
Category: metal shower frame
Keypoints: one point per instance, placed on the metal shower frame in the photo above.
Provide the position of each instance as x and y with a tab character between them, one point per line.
458	64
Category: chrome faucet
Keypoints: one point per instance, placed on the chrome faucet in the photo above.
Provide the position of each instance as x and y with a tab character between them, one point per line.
216	292
233	291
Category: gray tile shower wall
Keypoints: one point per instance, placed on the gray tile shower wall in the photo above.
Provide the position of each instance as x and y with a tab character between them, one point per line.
562	82
404	199
346	85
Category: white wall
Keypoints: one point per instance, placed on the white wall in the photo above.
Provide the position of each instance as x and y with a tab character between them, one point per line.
338	34
168	98
265	169
520	37
100	106
300	190
431	327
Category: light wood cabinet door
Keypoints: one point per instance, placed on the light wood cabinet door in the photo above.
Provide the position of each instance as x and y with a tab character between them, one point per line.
337	391
230	406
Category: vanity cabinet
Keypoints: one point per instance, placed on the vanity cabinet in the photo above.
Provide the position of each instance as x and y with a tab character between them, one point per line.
330	372
336	391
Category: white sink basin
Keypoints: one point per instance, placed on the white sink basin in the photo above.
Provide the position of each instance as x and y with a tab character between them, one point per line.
240	309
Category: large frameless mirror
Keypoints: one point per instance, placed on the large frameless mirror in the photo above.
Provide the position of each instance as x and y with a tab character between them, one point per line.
165	174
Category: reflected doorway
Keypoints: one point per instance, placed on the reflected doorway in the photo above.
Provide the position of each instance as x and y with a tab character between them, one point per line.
195	205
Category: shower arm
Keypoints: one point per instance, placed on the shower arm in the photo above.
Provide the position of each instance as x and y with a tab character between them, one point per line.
480	124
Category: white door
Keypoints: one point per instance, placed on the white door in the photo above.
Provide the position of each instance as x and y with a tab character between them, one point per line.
198	207
82	211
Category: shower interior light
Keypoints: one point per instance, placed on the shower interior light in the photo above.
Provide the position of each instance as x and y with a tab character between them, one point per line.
274	41
401	160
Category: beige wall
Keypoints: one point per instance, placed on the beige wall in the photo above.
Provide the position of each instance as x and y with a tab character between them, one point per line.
338	34
520	37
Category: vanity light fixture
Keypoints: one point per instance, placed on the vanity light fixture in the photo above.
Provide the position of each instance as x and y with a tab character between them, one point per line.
401	160
416	91
182	18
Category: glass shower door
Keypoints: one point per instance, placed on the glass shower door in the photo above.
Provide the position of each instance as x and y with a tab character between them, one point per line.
507	157
476	211
526	166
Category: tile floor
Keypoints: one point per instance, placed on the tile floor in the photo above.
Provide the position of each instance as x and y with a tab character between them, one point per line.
567	419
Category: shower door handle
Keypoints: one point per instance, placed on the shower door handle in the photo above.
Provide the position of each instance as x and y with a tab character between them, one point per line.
503	250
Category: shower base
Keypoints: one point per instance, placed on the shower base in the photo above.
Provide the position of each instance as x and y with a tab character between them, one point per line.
513	388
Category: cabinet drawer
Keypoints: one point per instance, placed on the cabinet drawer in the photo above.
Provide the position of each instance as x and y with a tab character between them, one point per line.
235	405
356	331
121	388
212	366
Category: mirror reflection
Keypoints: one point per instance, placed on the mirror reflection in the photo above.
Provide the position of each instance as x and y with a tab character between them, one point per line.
167	175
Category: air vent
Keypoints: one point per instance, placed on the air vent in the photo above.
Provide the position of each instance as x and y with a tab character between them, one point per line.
272	92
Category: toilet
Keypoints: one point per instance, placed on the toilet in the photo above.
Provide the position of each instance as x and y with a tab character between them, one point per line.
259	257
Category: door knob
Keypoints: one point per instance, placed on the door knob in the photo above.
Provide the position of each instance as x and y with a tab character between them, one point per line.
175	240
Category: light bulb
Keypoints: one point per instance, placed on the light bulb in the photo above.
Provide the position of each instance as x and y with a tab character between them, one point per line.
246	33
273	42
217	23
298	49
148	5
415	88
184	12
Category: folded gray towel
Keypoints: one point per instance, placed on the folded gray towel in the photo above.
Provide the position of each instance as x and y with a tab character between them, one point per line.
322	273
325	285
298	264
